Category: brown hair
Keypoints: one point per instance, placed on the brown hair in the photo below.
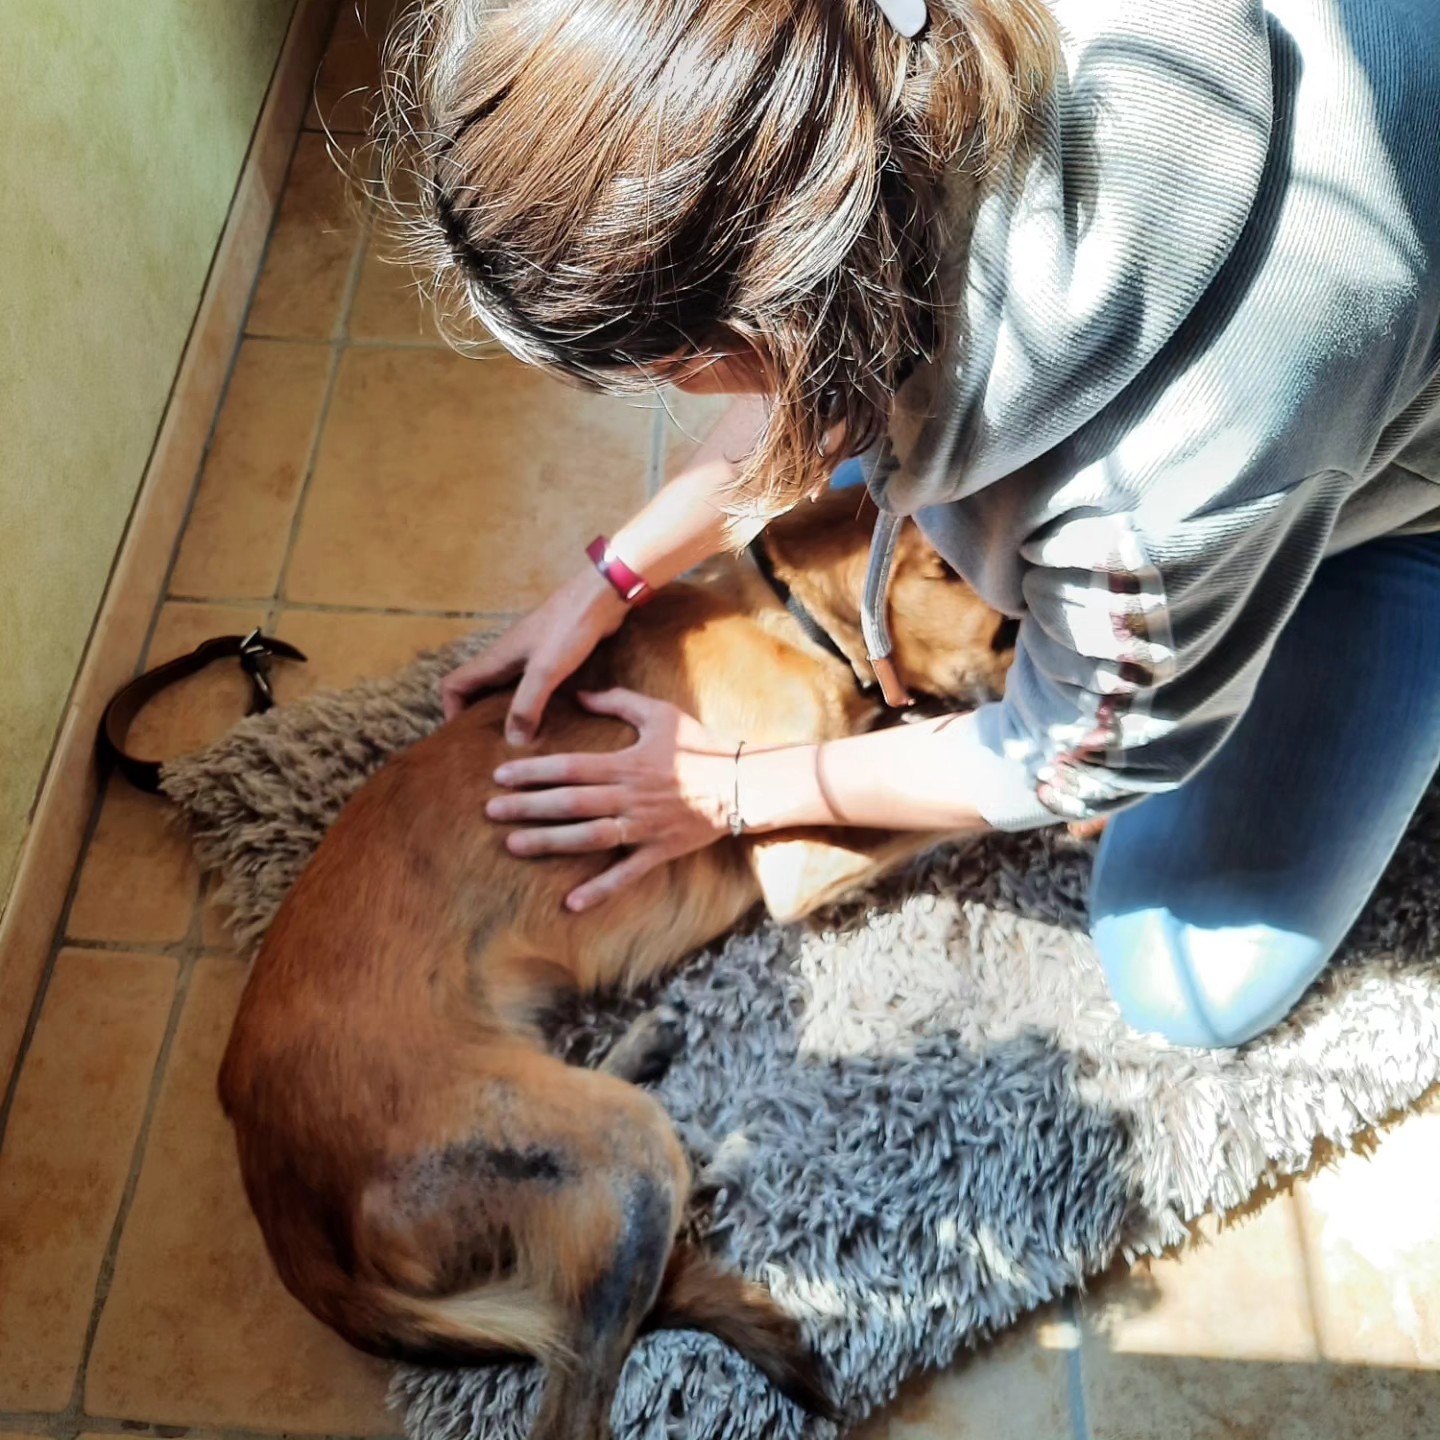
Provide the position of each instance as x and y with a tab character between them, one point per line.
611	184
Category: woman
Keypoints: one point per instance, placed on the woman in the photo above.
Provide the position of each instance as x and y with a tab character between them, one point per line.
1136	308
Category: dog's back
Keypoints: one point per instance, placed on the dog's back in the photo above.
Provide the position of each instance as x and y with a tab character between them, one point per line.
429	1182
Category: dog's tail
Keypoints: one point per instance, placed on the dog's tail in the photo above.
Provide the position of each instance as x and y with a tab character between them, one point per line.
503	1321
698	1294
506	1321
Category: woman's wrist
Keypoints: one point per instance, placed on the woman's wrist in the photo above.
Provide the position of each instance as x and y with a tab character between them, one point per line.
904	778
777	788
598	601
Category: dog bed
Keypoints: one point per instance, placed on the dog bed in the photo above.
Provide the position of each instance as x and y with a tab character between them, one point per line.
916	1117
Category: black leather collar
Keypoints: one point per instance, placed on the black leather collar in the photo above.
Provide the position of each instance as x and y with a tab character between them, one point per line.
814	630
254	651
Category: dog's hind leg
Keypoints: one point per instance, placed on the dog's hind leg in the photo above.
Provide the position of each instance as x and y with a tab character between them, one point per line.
608	1243
611	1309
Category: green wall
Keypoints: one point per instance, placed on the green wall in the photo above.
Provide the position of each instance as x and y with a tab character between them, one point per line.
123	126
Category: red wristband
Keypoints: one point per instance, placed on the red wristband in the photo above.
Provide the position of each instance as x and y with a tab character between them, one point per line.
631	587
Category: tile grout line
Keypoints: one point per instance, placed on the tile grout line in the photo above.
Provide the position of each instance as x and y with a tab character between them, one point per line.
340	344
57	943
315	342
317	607
189	956
1302	1241
168	949
1075	1370
224	395
655	465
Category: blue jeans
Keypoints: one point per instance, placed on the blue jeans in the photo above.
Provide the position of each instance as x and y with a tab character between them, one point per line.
1216	905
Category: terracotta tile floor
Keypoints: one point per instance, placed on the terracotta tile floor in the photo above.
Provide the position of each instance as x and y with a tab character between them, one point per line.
368	494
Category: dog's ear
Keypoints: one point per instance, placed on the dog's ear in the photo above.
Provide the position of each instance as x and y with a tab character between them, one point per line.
801	870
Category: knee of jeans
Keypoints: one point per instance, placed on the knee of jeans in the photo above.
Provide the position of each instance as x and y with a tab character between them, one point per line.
1203	986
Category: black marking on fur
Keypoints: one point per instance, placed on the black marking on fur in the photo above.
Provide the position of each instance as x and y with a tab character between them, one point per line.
523	1166
627	1289
432	1179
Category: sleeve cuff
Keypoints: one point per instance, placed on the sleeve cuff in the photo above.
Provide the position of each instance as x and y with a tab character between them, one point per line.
997	780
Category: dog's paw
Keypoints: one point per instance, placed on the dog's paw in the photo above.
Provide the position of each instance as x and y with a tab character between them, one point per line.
726	1167
643	1054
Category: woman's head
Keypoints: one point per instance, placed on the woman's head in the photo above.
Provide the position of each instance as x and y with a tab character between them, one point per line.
613	188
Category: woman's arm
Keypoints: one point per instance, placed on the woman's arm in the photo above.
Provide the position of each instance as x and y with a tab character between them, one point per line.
905	778
679	787
686	522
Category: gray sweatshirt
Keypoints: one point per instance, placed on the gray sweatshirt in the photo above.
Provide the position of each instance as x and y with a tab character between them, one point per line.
1195	350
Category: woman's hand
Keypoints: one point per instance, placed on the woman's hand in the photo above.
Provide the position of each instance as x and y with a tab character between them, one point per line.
544	648
669	793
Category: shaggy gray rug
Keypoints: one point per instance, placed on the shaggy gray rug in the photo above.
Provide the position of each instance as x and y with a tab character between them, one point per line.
915	1119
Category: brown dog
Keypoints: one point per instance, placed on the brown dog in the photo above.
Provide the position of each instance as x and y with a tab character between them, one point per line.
432	1183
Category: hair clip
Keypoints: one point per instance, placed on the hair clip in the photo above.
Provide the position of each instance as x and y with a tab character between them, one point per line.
907	16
